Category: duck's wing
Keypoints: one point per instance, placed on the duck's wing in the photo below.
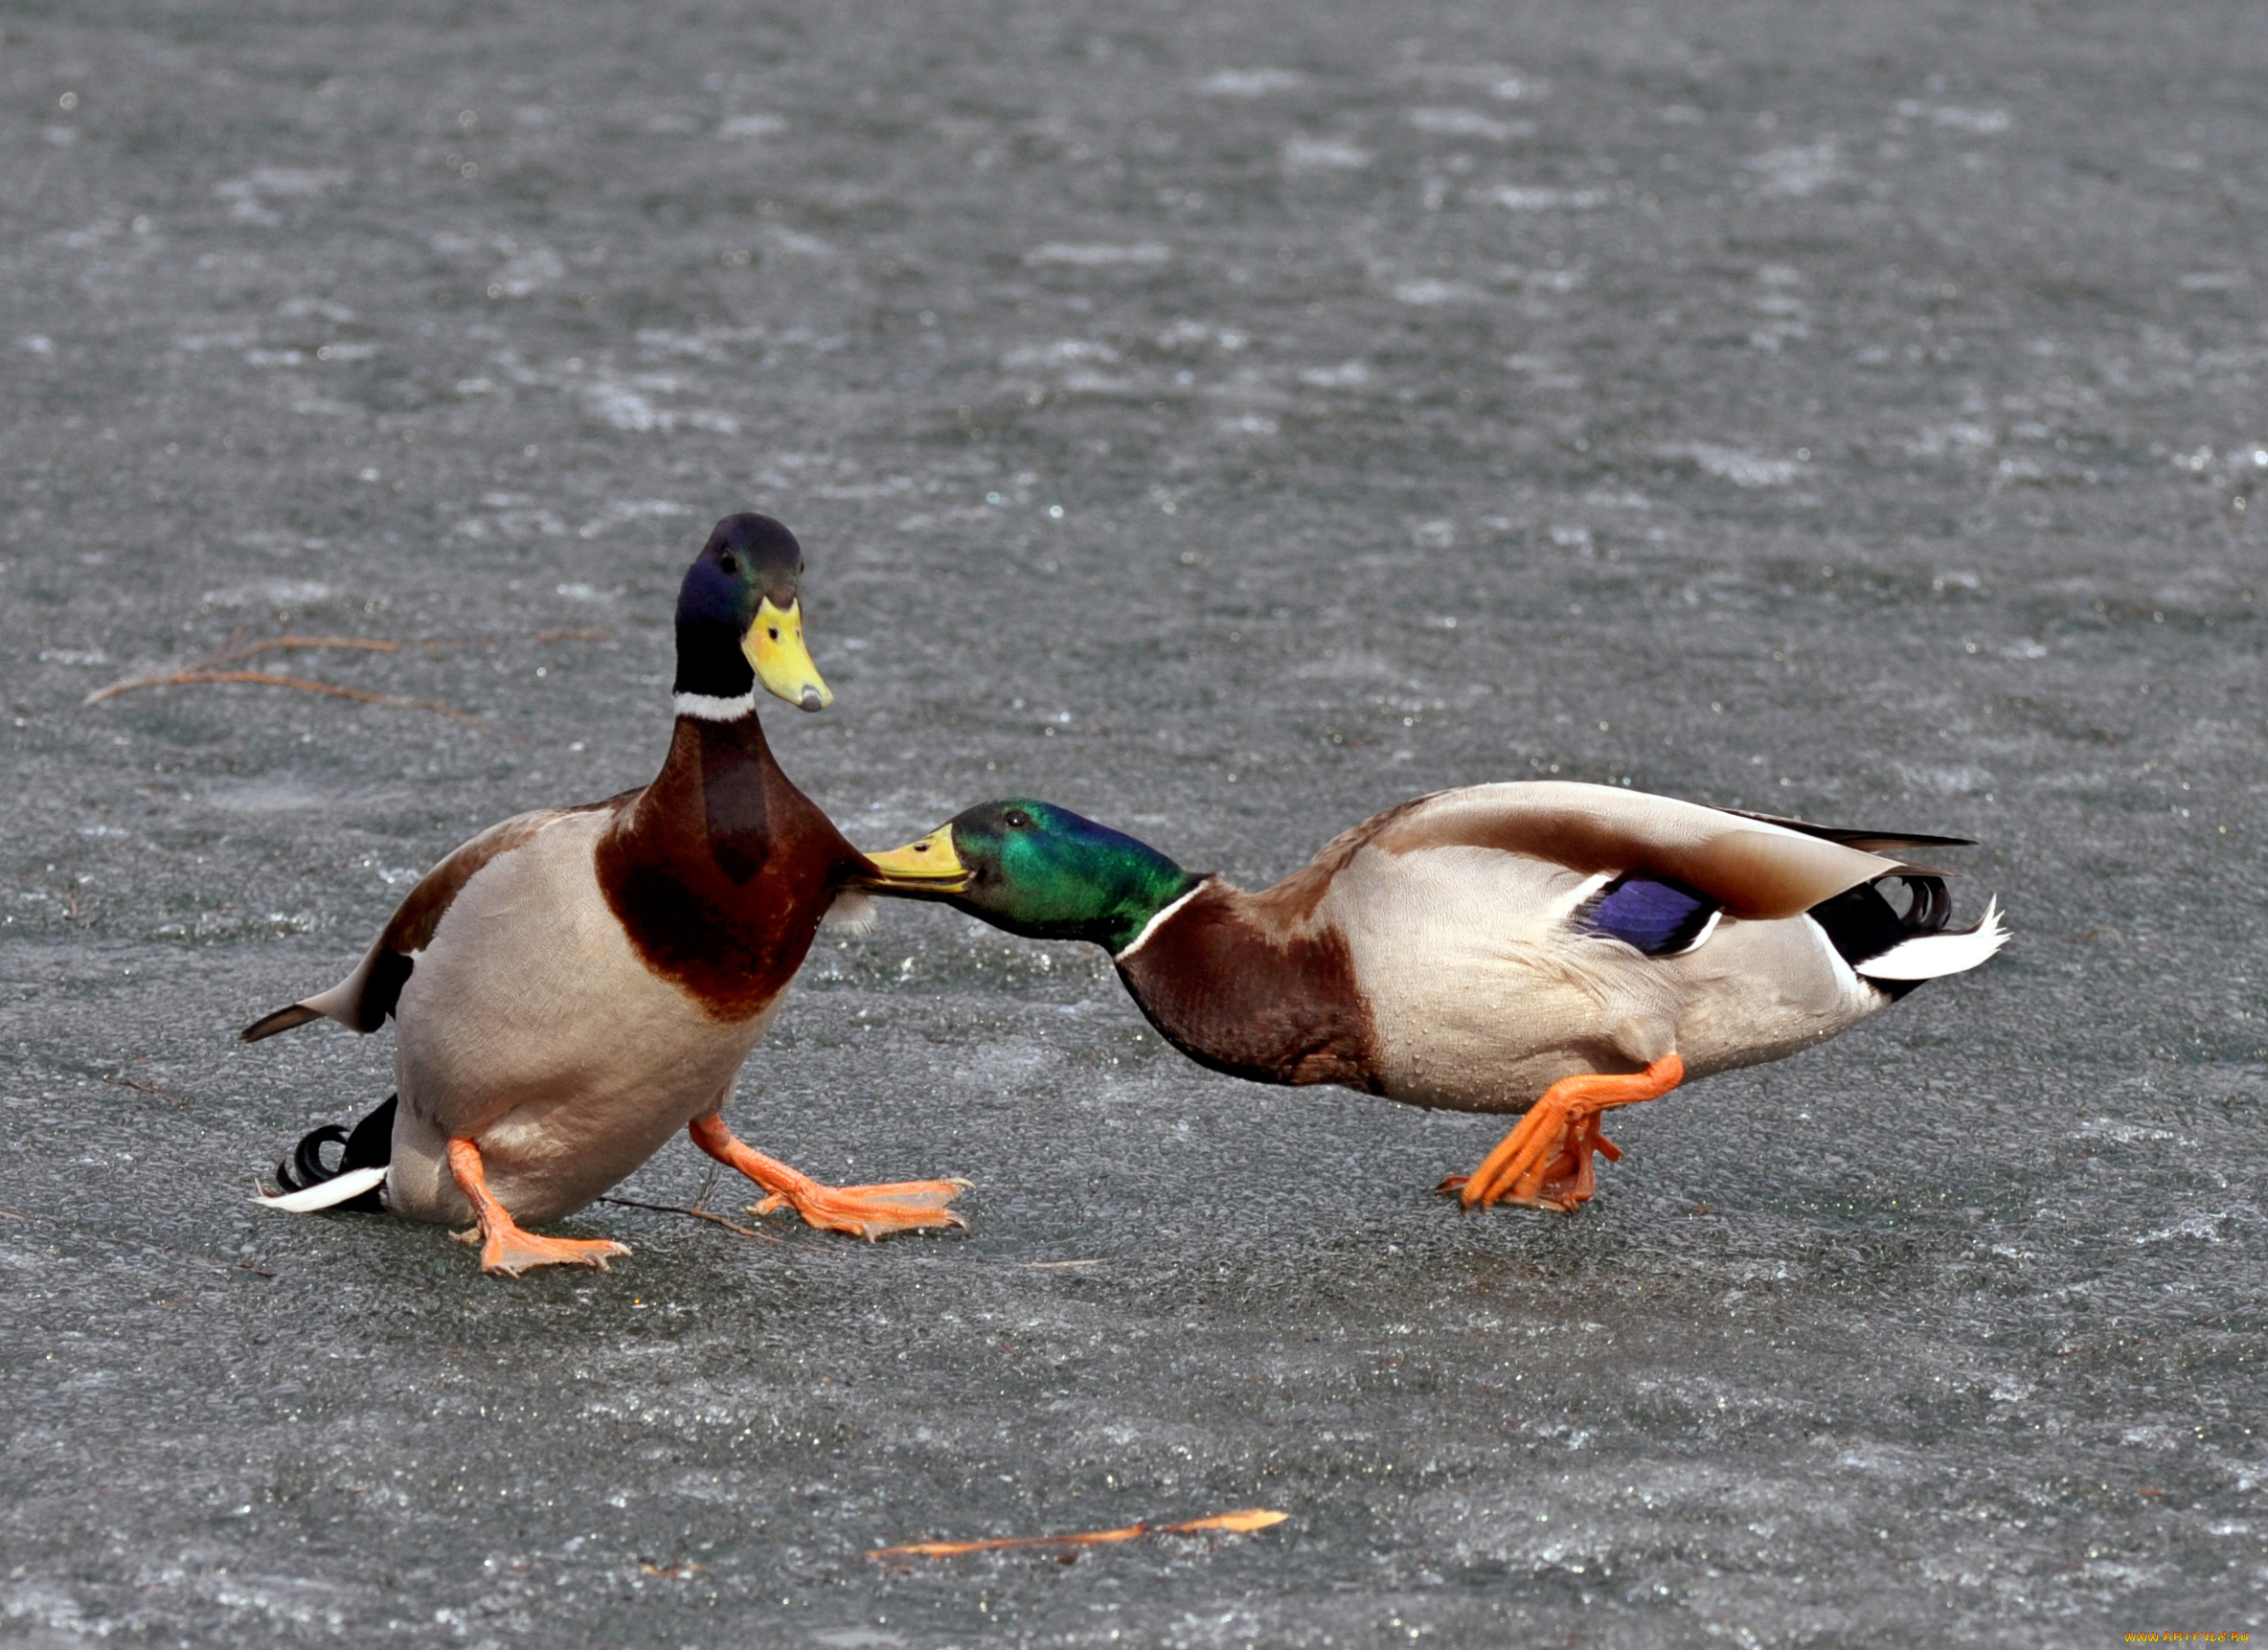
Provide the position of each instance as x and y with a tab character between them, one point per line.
1869	841
366	997
1671	864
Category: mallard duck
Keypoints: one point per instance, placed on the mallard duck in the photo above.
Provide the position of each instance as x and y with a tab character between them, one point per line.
1555	948
572	986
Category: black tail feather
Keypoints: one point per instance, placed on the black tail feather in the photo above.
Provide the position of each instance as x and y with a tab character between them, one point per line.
281	1020
370	1147
1860	924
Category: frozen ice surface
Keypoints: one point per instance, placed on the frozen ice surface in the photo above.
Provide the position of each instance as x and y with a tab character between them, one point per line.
1856	414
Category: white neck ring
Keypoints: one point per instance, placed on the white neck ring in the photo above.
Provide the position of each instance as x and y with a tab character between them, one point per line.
709	708
1154	923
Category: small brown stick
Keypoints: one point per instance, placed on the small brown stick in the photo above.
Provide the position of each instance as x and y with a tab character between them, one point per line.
1252	1518
359	644
209	668
141	1088
697	1215
264	679
231	654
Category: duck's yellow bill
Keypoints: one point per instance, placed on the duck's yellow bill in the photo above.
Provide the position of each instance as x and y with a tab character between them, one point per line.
929	865
775	647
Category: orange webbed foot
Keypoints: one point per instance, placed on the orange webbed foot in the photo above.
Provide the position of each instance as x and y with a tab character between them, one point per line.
508	1254
1545	1161
506	1247
868	1211
1567	1182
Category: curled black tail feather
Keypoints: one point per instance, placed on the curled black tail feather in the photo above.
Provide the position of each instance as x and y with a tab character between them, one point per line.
1861	924
370	1147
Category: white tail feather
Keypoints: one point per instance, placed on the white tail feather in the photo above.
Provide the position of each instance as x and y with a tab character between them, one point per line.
324	1194
853	911
1932	956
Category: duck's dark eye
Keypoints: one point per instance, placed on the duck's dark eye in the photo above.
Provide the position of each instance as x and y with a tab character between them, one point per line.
1018	821
728	561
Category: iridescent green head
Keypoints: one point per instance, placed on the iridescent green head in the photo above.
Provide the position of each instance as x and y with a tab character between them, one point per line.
1043	871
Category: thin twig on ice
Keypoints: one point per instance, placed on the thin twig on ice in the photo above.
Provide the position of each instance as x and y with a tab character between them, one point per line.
1236	1523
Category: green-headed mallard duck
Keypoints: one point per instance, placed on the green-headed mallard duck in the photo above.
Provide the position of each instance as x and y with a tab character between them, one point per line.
1551	947
572	986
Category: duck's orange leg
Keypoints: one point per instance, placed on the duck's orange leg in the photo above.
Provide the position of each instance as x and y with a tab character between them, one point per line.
868	1211
1545	1161
506	1250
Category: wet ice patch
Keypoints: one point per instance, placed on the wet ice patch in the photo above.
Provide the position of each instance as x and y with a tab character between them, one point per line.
1497	80
1350	666
708	344
1426	291
1543	372
526	270
1539	197
1251	82
795	243
1983	123
270	796
1935	441
197	342
73	656
1796	169
1966	780
1099	255
627	404
1468	123
1104	384
246	195
738	128
1345	375
2124	1132
1735	465
517	516
1324	154
270	593
618	512
1788	316
1063	353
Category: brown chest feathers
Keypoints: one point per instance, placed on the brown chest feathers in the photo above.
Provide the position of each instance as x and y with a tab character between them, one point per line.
1273	1002
721	870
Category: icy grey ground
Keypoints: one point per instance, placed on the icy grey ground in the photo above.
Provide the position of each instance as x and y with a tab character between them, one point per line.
1850	411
